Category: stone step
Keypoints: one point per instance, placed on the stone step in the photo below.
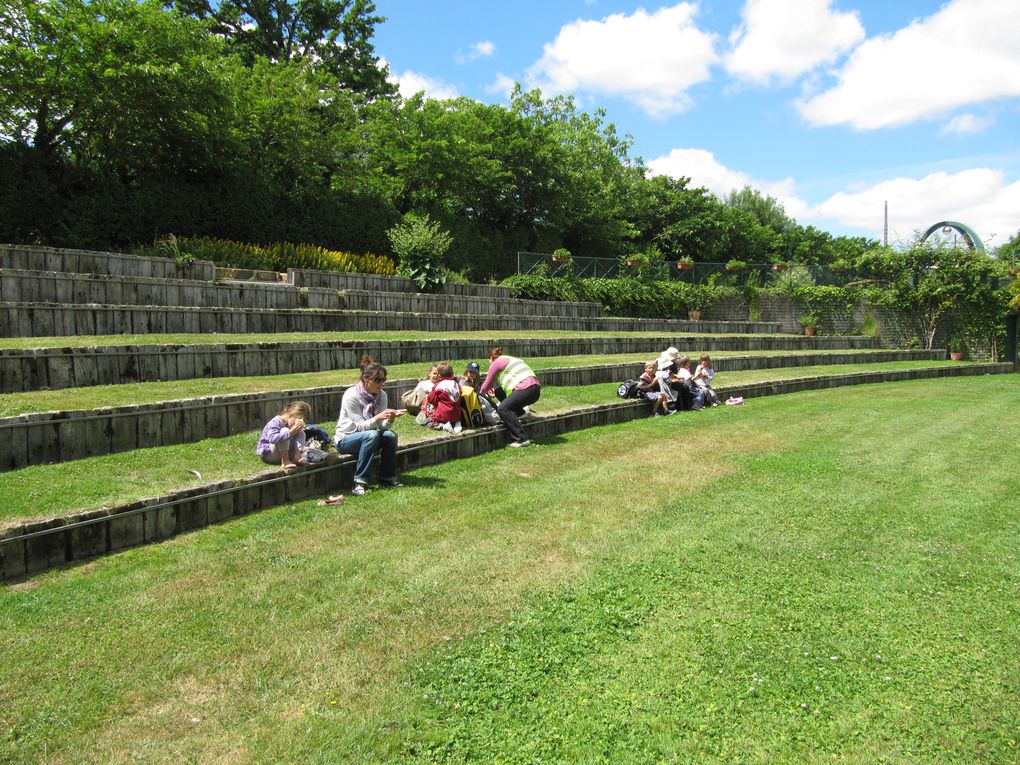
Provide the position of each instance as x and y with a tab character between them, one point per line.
70	367
46	437
32	547
420	302
60	320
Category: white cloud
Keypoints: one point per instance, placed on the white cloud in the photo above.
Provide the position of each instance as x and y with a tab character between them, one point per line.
501	86
980	197
964	54
483	49
786	38
967	124
704	169
409	83
651	59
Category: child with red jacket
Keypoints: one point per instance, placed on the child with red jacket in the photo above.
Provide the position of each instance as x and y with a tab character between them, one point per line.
443	404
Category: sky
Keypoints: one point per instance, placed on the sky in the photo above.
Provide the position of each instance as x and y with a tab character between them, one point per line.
834	107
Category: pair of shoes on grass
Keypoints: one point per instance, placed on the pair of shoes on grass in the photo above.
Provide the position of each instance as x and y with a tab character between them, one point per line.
520	444
452	427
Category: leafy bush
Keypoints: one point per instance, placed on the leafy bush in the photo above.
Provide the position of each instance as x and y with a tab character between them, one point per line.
420	244
621	297
273	257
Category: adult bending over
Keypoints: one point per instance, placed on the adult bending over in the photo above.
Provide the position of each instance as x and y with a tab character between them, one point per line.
522	389
363	427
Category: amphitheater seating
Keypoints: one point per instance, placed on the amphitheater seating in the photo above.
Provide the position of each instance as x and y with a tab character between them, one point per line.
90	312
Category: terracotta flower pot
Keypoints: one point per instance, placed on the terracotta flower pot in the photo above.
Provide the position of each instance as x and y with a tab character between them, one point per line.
809	330
779	266
685	266
633	263
694	315
956	355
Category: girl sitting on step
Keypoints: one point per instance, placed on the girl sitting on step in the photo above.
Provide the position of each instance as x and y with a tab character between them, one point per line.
283	436
443	406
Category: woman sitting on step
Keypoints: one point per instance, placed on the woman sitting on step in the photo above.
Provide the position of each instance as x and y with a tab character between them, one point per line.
522	389
363	427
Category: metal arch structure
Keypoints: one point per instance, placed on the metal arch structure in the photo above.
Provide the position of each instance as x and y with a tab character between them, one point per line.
969	235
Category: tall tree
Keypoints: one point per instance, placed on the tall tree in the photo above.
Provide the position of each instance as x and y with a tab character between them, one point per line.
334	34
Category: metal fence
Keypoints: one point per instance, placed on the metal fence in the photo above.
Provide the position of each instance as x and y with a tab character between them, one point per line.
696	273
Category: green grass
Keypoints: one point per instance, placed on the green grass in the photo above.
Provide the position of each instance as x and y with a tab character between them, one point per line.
93	341
92	397
43	491
823	577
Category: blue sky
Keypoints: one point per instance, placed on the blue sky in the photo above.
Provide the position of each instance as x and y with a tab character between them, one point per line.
832	106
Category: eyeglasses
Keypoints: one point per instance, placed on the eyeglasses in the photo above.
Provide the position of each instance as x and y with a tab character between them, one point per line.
379	380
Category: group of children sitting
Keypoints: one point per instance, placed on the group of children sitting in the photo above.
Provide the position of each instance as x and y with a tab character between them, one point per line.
446	402
670	386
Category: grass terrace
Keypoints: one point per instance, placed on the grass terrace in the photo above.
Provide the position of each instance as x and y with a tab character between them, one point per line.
95	341
43	491
151	392
829	576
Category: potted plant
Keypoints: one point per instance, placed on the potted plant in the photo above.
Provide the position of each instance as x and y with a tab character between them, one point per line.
957	348
562	255
780	266
684	264
735	265
809	321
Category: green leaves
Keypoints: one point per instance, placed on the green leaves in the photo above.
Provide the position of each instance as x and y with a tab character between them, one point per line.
420	244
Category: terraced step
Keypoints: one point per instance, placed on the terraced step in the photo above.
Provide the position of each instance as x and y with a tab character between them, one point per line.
73	367
30	547
72	261
341	280
57	320
73	289
36	438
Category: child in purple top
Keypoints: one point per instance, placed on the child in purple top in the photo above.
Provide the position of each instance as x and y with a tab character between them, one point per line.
283	436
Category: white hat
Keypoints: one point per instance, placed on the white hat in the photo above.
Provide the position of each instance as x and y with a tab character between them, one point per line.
664	362
671	353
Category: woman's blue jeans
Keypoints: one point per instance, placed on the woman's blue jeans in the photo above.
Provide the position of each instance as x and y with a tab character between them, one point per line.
364	444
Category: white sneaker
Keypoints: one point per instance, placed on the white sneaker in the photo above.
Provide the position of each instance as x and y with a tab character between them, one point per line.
458	427
448	426
520	444
359	490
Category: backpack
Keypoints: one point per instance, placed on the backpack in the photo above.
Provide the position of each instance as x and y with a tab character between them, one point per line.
413	400
314	432
628	389
470	408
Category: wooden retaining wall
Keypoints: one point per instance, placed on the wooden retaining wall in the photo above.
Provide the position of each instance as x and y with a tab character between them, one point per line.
37	258
40	368
51	320
48	437
34	547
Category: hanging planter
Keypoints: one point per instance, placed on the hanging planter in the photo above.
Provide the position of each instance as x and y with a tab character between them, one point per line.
561	255
685	265
780	266
633	262
735	265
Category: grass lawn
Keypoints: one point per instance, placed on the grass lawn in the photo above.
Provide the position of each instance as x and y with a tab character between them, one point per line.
93	341
44	491
95	396
829	576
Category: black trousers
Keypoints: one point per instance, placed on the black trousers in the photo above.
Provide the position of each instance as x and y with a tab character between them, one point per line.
511	408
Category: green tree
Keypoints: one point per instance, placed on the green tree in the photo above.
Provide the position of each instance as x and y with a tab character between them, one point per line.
333	34
767	210
111	81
